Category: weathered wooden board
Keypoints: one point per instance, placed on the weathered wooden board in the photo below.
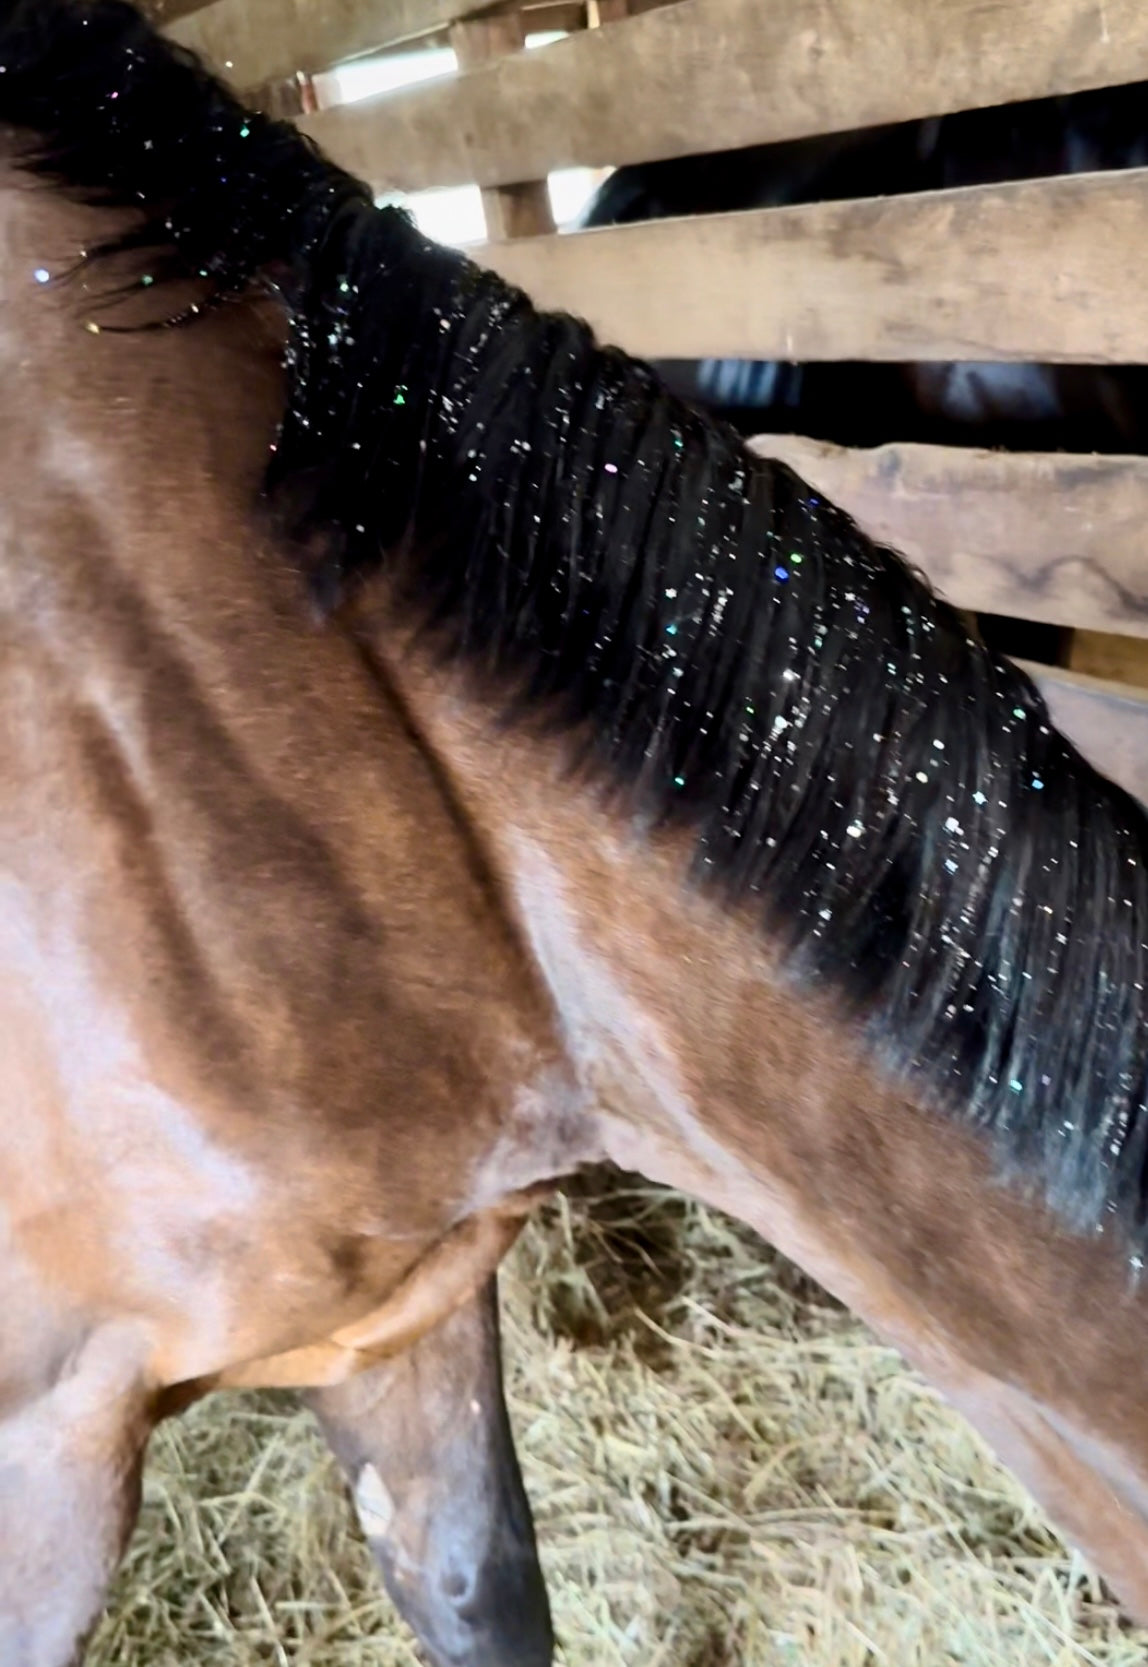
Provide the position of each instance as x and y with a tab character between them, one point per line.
1121	659
256	41
167	11
715	75
1049	269
1051	537
1108	722
521	210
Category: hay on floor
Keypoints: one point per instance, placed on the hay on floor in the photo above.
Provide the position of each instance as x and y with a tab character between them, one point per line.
727	1470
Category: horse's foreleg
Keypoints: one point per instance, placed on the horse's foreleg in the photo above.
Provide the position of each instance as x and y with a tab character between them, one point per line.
426	1442
70	1462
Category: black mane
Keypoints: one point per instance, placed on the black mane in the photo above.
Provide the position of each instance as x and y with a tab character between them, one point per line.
740	657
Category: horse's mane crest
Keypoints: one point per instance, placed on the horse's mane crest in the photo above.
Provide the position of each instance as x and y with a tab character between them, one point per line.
737	654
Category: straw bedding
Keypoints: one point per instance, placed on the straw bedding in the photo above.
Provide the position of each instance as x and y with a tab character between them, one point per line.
728	1471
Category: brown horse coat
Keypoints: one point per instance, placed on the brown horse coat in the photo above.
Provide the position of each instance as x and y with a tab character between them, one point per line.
310	969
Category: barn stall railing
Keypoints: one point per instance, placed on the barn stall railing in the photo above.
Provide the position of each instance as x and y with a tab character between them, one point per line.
1050	270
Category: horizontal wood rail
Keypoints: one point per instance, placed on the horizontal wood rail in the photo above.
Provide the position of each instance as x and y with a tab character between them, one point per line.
1046	269
699	76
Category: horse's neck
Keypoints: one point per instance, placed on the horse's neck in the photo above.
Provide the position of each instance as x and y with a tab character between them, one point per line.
712	1072
678	1015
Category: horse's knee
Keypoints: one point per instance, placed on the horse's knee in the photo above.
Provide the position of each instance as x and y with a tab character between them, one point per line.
69	1494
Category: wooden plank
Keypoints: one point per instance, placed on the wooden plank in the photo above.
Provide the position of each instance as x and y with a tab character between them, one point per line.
522	209
719	74
284	100
1106	721
256	41
169	11
542	17
1050	537
562	16
1120	659
1048	269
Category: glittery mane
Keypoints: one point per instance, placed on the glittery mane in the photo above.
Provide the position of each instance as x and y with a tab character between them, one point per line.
888	794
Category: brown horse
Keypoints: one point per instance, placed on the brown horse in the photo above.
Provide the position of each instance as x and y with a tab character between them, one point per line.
633	807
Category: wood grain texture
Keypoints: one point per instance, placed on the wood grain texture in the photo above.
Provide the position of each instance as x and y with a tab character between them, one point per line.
169	11
719	74
1043	536
1047	269
283	100
1107	722
522	209
256	41
1120	659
